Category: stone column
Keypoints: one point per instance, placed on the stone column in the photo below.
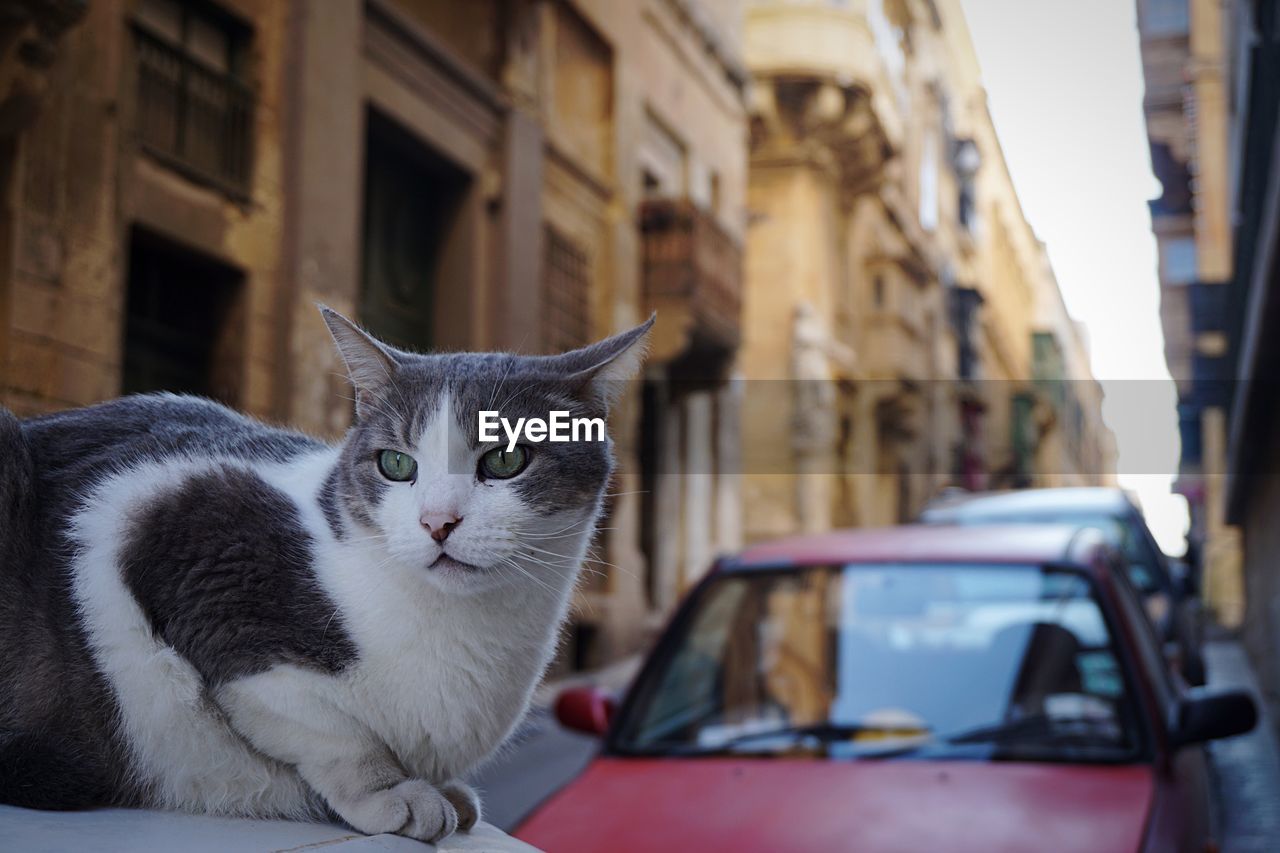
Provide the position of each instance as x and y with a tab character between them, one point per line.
324	202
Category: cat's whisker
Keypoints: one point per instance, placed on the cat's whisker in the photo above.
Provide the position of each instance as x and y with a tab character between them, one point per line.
570	535
567	527
599	562
544	551
519	390
531	576
493	392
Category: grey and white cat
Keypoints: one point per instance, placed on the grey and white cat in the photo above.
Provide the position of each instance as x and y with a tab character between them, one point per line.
202	612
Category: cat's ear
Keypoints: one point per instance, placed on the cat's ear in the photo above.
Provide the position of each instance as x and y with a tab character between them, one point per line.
600	371
370	364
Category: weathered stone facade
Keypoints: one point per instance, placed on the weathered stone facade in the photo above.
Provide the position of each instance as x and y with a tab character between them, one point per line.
888	258
1185	63
1251	484
481	175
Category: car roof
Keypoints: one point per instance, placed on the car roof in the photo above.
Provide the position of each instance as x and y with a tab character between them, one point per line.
1091	499
1021	544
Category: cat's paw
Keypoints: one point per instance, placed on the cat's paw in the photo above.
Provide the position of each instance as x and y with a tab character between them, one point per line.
465	799
413	807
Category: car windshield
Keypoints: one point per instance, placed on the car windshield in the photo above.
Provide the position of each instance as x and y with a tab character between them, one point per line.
886	660
1144	574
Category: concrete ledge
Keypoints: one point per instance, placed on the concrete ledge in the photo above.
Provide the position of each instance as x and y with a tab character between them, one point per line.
128	830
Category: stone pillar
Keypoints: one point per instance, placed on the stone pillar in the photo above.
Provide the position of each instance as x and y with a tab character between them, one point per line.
728	498
1222	582
699	481
324	203
517	311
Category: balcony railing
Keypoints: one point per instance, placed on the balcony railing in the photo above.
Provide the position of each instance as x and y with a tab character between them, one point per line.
195	118
691	264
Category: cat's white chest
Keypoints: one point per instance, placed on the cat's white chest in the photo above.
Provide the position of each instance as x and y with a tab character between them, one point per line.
440	679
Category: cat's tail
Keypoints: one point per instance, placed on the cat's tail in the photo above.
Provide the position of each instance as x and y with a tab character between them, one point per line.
45	772
17	488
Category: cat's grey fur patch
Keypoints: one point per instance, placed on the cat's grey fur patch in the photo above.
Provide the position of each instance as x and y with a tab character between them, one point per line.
328	500
59	744
58	747
232	595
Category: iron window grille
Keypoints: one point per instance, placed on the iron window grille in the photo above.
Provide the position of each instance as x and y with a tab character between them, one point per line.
191	114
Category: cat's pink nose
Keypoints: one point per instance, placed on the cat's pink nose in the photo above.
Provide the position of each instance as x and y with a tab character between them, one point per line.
440	524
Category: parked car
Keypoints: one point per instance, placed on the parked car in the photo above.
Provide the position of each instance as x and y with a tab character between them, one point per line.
1169	589
916	688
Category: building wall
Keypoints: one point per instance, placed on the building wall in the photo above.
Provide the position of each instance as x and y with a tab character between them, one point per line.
1188	114
83	187
1252	477
547	125
1261	545
864	222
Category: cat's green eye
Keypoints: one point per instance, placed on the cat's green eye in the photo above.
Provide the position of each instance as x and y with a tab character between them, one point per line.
397	466
503	464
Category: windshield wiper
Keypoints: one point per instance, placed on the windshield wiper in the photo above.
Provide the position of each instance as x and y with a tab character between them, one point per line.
825	732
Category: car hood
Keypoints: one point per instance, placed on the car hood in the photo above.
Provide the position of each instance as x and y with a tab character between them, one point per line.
667	805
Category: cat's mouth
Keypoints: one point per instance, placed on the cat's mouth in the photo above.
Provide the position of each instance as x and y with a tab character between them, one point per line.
446	563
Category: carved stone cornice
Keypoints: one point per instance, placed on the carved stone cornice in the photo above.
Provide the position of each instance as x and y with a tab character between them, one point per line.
832	125
29	34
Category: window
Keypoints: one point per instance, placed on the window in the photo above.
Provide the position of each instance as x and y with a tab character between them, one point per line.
888	40
194	108
966	160
566	278
1165	18
413	211
582	90
663	160
929	180
1179	260
183	322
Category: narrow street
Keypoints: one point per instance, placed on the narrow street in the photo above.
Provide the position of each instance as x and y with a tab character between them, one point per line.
543	756
1247	767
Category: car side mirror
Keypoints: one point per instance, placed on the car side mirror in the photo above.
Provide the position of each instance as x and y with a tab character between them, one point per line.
586	709
1205	715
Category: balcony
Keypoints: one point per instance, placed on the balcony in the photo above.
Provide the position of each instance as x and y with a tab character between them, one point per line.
853	46
692	275
196	119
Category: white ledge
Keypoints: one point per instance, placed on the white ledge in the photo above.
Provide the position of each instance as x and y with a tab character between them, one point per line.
128	830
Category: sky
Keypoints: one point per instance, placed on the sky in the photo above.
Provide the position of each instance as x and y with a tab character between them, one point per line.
1064	85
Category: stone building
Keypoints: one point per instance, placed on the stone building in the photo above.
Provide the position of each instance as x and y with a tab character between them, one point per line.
1185	46
892	275
1076	448
184	180
1252	316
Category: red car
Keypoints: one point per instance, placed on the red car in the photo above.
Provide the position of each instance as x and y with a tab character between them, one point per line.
914	688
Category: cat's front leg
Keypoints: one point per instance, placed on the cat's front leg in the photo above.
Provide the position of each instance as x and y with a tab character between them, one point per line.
465	800
339	758
373	794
